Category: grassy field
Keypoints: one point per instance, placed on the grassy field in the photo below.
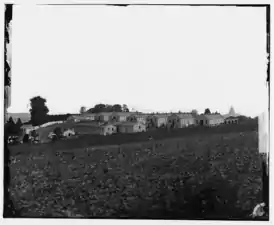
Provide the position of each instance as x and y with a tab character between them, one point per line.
166	178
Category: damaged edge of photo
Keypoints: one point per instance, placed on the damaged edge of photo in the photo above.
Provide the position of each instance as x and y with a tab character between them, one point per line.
8	209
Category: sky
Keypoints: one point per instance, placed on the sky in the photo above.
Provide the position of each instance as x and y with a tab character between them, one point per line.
152	58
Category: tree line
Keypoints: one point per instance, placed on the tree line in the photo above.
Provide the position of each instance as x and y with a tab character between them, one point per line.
106	108
39	111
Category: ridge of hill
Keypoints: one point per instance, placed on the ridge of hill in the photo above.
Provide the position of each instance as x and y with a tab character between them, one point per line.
25	117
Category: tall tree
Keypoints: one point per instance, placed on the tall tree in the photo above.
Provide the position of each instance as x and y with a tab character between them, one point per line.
98	108
207	111
83	110
11	127
11	121
38	110
19	122
18	125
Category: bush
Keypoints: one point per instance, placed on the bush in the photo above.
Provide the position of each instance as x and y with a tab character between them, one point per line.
26	138
58	132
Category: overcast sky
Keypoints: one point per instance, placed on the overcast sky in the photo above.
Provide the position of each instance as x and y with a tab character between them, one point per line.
151	58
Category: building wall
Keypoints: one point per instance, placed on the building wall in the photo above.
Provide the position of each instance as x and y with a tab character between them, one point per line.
108	130
139	127
231	121
126	129
215	122
134	128
141	119
161	121
122	118
187	122
104	118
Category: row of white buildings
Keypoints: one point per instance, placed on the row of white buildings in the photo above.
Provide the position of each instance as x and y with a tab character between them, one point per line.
178	120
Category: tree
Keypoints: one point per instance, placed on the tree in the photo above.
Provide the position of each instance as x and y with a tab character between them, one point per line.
11	121
207	111
19	122
151	122
26	138
10	127
58	132
116	108
125	108
38	111
83	110
98	108
18	125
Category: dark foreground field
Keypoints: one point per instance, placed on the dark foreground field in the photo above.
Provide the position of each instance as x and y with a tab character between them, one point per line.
216	176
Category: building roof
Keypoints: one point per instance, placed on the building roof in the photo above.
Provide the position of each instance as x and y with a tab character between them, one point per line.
106	124
26	126
129	123
228	115
162	115
105	113
139	115
231	118
185	116
124	113
213	116
88	114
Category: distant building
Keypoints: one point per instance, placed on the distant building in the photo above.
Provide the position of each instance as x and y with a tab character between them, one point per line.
210	119
137	117
186	119
231	120
120	116
181	120
27	128
108	129
131	127
104	116
89	116
142	118
97	129
161	119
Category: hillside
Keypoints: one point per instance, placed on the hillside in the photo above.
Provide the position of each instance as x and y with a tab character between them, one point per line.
25	117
